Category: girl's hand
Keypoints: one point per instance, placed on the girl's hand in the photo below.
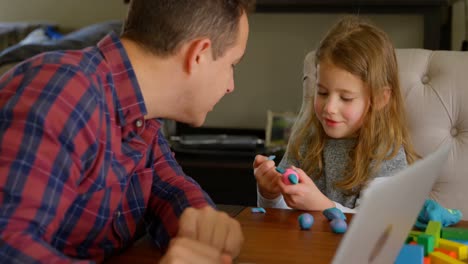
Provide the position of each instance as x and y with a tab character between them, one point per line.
267	177
305	195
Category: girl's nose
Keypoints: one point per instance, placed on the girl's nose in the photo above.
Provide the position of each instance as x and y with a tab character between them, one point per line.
330	106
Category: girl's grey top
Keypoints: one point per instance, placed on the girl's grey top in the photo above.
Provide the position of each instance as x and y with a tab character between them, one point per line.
335	160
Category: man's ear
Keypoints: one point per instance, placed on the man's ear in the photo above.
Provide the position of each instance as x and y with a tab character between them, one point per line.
384	98
197	52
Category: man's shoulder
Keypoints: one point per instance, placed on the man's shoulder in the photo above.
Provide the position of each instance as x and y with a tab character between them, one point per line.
74	61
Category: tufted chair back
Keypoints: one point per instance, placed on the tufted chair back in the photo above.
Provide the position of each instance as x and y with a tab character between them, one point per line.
435	88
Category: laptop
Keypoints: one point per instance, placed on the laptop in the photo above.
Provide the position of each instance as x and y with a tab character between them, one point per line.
387	214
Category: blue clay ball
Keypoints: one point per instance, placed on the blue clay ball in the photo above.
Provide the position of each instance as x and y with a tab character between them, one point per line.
333	213
338	225
305	221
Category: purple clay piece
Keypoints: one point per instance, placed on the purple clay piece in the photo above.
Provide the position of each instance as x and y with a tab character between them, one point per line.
334	213
338	226
258	210
305	221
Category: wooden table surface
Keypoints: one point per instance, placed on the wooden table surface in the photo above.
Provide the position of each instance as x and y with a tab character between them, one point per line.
274	237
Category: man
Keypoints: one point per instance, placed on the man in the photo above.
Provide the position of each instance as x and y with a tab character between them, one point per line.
83	162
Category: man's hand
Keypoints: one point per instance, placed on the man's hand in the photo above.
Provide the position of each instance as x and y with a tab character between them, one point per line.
212	228
184	250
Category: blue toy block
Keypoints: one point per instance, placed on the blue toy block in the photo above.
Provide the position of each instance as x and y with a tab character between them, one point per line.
410	254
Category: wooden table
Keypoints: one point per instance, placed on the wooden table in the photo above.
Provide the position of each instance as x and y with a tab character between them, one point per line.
273	237
270	238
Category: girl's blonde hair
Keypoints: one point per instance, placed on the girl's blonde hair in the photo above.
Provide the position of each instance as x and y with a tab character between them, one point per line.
367	52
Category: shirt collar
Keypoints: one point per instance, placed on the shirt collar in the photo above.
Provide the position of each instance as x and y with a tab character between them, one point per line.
129	102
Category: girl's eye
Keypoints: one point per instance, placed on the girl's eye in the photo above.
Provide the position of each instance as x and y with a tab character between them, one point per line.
346	99
321	93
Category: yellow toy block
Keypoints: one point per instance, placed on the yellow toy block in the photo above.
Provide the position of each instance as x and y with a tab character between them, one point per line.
433	229
461	249
441	258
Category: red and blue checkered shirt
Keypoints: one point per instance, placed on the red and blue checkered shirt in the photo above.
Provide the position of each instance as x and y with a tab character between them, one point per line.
80	168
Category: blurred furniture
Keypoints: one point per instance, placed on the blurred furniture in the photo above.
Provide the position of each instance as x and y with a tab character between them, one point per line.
465	42
437	14
15	50
224	172
435	88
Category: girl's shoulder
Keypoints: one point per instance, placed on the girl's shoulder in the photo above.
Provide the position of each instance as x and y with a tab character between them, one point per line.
392	165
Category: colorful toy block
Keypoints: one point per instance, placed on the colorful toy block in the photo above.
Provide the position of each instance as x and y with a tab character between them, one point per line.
452	254
413	254
460	249
454	233
464	242
441	258
414	235
427	241
433	228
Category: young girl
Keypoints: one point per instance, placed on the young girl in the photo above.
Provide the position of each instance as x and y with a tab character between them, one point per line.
355	135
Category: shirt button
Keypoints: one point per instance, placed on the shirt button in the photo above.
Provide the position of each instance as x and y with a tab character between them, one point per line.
117	214
425	79
139	123
454	131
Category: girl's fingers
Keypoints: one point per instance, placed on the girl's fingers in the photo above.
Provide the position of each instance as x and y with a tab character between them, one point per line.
259	159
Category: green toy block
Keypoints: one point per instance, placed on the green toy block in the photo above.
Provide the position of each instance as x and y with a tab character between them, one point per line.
427	241
433	228
413	236
454	233
409	239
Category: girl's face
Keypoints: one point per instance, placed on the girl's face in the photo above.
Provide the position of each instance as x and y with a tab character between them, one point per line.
341	101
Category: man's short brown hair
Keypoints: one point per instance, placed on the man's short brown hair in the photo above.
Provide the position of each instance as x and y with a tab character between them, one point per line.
162	26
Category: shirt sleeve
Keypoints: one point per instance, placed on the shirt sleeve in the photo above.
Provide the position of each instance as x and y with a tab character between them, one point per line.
36	165
278	202
172	192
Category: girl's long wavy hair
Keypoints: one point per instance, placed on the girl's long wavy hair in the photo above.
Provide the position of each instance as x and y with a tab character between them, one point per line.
367	52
